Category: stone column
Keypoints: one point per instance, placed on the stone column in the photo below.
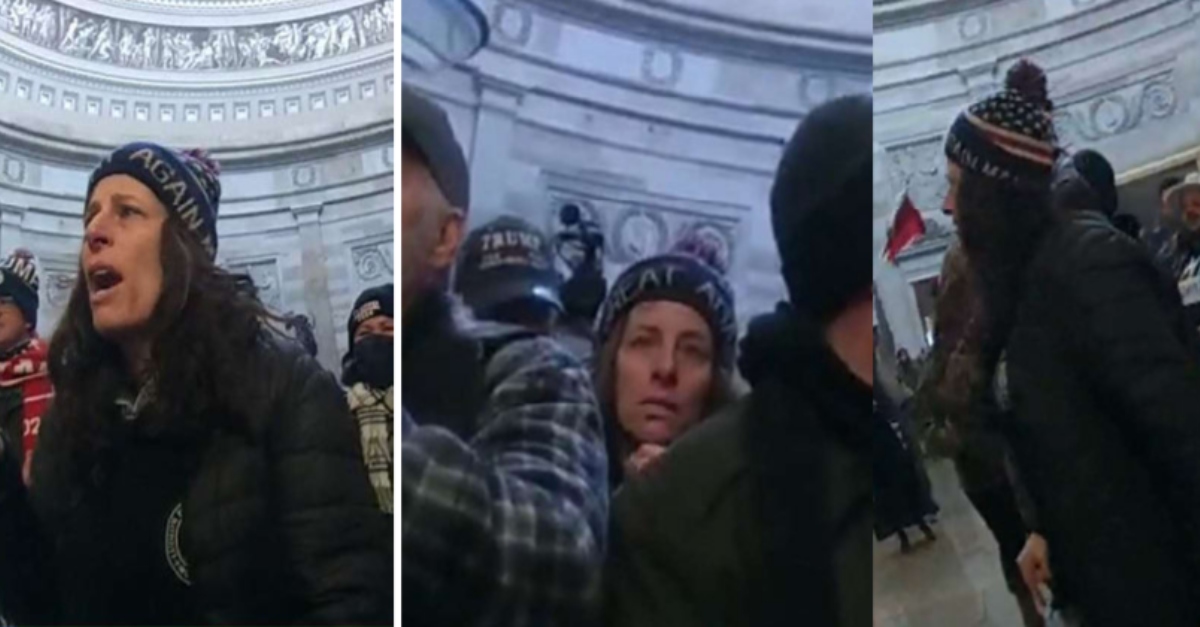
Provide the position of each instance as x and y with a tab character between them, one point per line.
316	284
492	148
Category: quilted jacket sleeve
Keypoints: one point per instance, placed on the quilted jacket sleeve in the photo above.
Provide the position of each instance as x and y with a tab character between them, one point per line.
1134	341
509	527
337	539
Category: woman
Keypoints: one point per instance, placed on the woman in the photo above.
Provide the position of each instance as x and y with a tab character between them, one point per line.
666	334
194	468
1089	346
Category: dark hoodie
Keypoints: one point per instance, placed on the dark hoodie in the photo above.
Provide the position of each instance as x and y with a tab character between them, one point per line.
777	491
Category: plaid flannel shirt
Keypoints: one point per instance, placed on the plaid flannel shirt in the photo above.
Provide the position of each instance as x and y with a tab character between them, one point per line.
509	528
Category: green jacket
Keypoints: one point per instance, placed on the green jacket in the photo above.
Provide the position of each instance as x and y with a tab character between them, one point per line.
686	544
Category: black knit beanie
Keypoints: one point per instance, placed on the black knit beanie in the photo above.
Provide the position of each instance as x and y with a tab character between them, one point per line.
374	301
19	283
821	207
690	274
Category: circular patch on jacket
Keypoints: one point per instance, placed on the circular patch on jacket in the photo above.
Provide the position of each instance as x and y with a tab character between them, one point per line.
175	557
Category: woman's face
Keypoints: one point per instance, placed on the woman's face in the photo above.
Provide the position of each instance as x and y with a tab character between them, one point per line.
664	371
123	227
953	178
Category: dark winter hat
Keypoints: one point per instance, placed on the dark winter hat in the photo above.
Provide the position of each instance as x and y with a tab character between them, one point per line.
373	302
187	183
19	284
1098	173
426	130
505	260
691	274
1008	136
821	207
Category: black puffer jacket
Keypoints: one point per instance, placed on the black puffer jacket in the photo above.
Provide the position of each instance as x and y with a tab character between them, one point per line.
280	523
1106	393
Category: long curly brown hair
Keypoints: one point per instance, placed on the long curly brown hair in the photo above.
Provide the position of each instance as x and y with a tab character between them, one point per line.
204	325
1000	226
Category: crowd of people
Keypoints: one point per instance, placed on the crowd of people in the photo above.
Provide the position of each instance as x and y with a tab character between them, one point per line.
666	472
1064	368
170	456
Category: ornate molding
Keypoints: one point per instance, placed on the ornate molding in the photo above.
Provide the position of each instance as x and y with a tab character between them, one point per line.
921	168
661	66
144	46
59	284
1117	111
373	261
265	274
512	23
637	234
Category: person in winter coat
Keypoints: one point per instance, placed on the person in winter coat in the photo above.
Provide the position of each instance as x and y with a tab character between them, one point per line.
668	333
1160	240
1089	346
194	468
504	496
367	370
762	514
1183	262
25	390
900	489
961	399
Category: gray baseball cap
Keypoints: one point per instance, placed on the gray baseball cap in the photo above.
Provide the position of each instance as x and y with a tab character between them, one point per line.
426	130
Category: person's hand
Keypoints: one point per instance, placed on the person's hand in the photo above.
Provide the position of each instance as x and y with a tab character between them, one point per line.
1034	562
643	458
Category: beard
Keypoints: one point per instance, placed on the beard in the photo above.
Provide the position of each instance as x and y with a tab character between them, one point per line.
417	245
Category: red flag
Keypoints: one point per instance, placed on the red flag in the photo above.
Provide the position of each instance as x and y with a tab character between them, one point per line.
907	227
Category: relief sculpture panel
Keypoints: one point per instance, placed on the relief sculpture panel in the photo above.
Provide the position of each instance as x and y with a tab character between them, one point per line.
144	46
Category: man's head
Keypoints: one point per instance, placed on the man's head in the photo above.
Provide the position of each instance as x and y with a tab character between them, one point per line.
434	197
18	299
370	359
506	274
1165	216
821	211
1184	202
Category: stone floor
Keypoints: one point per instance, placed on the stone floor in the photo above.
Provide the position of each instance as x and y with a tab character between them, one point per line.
953	582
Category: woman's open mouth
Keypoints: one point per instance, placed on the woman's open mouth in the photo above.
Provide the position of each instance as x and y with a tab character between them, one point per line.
101	281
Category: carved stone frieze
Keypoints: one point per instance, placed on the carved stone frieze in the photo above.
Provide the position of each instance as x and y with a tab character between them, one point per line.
513	23
59	284
639	233
373	261
1117	111
265	274
145	46
921	168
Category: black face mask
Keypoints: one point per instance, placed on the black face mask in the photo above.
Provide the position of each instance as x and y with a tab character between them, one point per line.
373	361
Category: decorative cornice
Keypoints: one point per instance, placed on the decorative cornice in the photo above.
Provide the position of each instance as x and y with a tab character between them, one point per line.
153	47
825	50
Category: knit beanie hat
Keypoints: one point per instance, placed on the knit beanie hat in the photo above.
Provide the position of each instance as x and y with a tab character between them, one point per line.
187	183
19	284
374	301
1008	136
821	207
691	274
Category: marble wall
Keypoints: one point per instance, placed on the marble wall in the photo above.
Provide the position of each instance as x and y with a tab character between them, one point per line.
1122	73
655	133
